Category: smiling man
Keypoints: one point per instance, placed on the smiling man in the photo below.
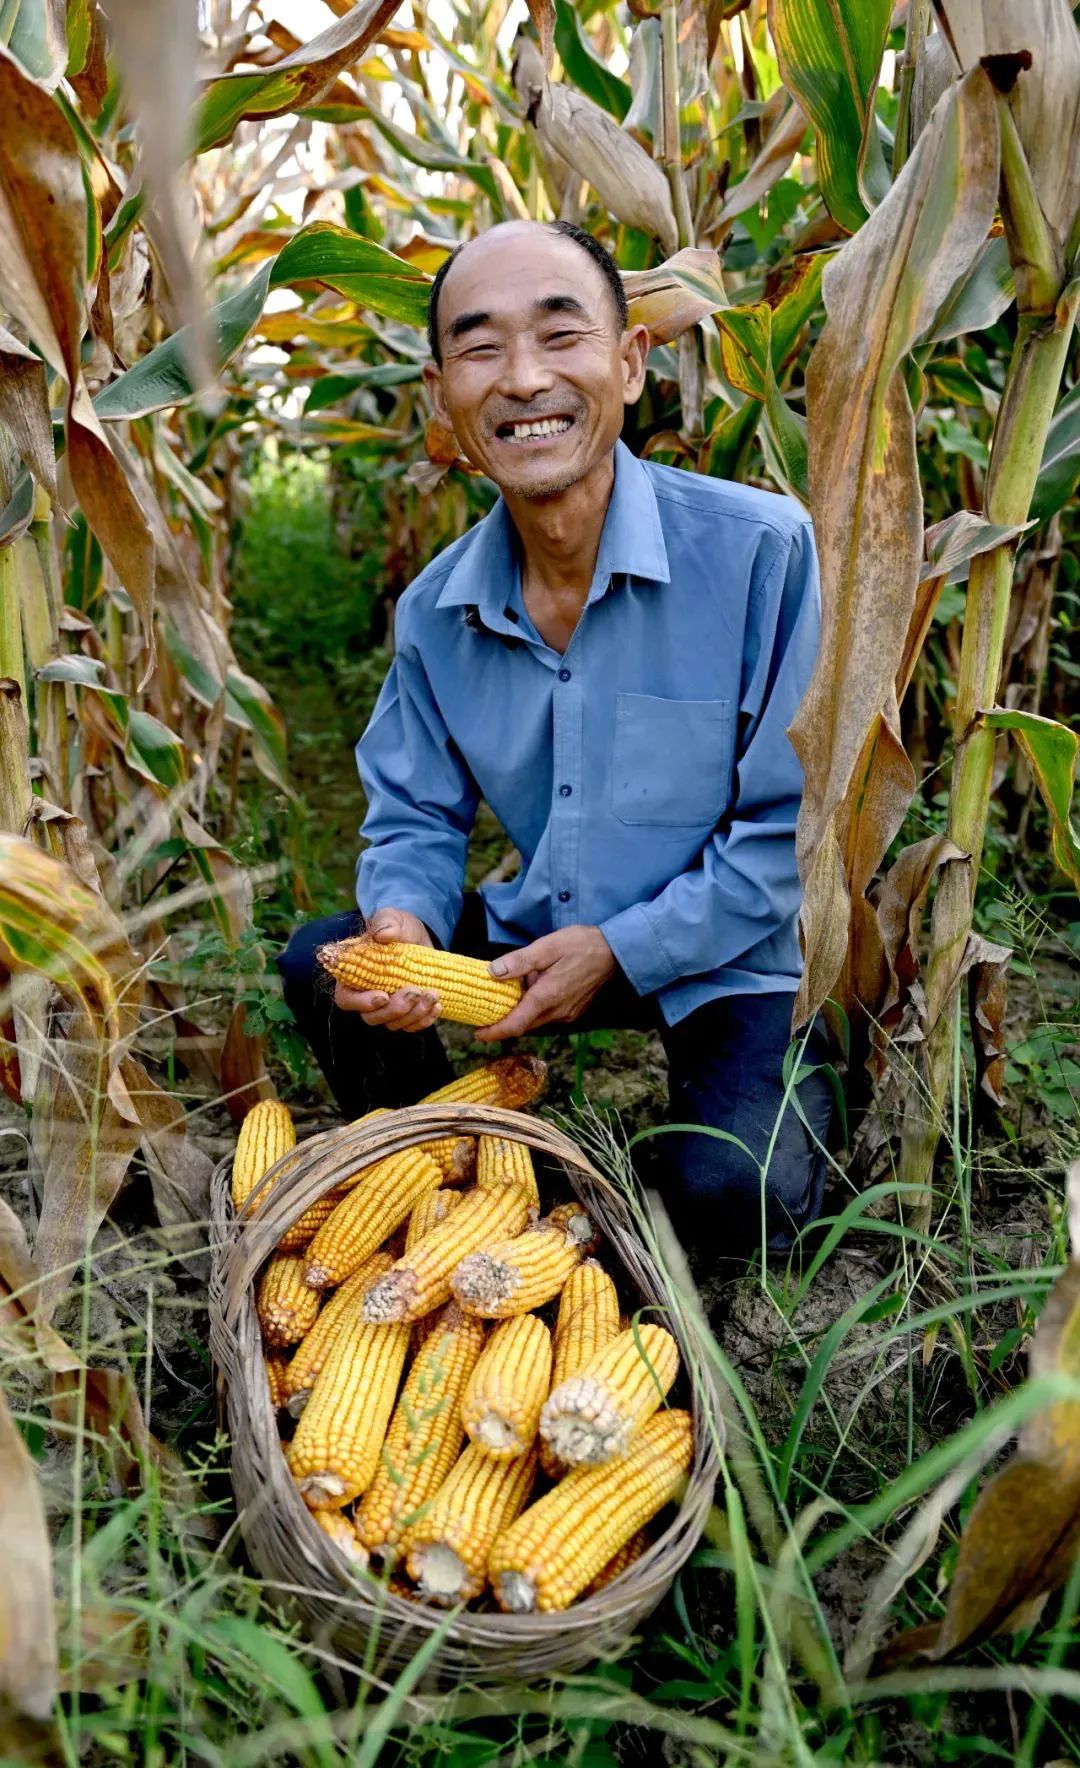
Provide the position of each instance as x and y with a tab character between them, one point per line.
611	659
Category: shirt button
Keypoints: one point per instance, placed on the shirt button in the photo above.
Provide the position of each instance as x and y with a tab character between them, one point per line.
564	675
564	896
565	791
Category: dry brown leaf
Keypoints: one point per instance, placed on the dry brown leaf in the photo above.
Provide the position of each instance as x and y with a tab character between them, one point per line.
881	290
28	1664
24	408
627	180
671	298
767	168
542	13
987	1000
244	1079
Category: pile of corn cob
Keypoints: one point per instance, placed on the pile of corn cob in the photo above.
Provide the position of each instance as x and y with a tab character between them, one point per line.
472	1413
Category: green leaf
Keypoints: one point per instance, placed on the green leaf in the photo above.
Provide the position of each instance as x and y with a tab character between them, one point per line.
358	268
85	672
29	28
249	705
830	55
584	67
332	387
162	379
980	297
1059	473
278	1665
1051	750
436	159
153	750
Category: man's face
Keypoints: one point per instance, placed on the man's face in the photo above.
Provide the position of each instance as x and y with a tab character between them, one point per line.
536	371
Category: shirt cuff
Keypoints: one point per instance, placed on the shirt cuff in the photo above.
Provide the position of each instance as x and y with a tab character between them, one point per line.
637	950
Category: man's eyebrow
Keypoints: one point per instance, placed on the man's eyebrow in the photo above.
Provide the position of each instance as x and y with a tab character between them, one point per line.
467	322
561	304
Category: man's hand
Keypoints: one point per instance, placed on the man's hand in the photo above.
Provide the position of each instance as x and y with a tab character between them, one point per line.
562	972
409	1009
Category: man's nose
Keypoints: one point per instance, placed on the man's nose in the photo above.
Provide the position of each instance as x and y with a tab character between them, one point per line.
524	370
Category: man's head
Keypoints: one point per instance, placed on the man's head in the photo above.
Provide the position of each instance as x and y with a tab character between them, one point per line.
528	327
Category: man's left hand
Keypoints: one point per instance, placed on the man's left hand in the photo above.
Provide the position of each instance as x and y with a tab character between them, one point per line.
562	972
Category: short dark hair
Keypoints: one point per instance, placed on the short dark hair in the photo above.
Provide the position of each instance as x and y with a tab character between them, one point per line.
599	254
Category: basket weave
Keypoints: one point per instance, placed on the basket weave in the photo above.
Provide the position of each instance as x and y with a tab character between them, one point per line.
343	1612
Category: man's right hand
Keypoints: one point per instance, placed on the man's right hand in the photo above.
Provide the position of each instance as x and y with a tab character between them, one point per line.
409	1009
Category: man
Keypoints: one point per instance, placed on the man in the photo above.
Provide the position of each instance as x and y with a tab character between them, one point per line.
611	659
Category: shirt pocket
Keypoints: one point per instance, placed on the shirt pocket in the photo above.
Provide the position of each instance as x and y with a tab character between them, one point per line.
671	762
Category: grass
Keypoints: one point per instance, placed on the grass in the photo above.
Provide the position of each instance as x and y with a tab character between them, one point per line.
866	1385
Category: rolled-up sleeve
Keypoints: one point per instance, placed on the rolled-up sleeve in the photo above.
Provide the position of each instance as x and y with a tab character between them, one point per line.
745	884
422	802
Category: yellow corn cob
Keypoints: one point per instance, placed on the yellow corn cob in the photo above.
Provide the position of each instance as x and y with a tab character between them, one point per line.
467	991
383	1198
592	1416
421	1280
425	1434
449	1546
334	1455
619	1562
517	1275
588	1320
501	1407
276	1365
285	1306
266	1133
512	1082
501	1161
343	1534
341	1310
429	1212
578	1227
556	1548
305	1227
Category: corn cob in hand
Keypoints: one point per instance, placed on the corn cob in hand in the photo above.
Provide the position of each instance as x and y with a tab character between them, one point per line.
501	1408
425	1434
593	1415
421	1280
557	1547
449	1546
467	991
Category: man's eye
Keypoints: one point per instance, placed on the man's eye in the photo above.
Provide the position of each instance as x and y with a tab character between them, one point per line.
561	337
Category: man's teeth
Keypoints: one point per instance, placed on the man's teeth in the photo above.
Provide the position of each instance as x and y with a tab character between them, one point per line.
548	426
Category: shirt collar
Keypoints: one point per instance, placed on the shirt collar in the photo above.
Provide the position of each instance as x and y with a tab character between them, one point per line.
632	542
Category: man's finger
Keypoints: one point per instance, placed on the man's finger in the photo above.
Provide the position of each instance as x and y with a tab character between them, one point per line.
385	924
528	1013
401	1006
527	958
359	1000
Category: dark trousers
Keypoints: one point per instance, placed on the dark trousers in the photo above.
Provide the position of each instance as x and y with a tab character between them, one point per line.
724	1073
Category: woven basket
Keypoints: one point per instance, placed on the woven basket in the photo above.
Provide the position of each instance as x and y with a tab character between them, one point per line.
348	1615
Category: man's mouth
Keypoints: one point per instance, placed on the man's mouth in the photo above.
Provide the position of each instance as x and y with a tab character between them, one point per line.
533	429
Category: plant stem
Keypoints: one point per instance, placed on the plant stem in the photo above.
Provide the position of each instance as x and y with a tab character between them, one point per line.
1019	438
917	20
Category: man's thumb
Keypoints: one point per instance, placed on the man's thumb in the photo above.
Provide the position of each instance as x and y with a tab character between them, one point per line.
385	924
511	964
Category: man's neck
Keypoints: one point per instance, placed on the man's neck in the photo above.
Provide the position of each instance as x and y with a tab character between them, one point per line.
560	535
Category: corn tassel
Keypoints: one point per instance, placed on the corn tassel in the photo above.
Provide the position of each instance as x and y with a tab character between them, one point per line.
558	1546
501	1161
449	1546
429	1212
339	1314
467	991
425	1434
334	1455
588	1320
344	1536
384	1197
593	1415
518	1275
501	1407
421	1280
266	1133
285	1306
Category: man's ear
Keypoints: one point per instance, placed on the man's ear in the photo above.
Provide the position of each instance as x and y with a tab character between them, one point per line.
635	354
433	381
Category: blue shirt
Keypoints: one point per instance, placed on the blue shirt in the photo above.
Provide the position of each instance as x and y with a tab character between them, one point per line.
645	776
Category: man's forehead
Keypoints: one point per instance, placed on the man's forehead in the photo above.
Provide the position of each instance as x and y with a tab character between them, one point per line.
516	269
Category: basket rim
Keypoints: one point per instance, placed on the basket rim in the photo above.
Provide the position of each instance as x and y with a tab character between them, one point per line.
241	1243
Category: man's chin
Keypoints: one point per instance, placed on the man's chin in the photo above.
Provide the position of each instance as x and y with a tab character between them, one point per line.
551	484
